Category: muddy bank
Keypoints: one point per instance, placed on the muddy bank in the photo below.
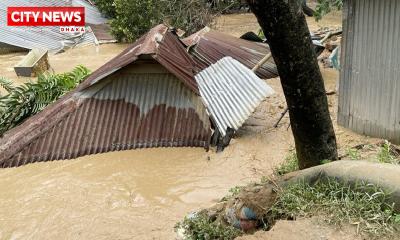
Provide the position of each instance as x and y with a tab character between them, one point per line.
306	228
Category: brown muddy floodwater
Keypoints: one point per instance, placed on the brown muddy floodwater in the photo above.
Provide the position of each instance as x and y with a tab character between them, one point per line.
138	194
91	57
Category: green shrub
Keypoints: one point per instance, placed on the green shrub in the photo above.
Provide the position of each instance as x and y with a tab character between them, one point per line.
385	154
199	227
353	154
107	7
131	19
291	164
326	6
364	205
30	98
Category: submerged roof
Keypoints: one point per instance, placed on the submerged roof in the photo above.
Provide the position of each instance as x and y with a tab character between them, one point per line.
231	93
48	38
209	46
159	44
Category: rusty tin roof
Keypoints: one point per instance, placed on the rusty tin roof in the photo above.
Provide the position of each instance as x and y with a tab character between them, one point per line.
209	46
71	126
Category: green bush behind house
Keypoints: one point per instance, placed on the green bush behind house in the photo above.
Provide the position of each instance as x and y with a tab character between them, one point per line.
131	19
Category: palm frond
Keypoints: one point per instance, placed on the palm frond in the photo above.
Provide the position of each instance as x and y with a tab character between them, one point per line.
7	84
30	98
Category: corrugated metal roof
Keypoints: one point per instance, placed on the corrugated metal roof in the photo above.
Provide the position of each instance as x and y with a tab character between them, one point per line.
130	111
159	44
187	125
369	87
126	101
209	46
48	38
231	92
92	14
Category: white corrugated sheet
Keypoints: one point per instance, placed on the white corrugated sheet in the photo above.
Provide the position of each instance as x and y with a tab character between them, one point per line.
231	92
48	38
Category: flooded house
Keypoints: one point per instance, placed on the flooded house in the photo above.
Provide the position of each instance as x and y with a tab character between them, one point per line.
153	94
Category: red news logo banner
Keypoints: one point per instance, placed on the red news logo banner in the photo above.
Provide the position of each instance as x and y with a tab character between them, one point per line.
45	16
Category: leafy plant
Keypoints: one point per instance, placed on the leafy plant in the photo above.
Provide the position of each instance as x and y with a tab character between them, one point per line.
30	98
364	205
131	19
199	227
385	154
326	6
353	154
291	164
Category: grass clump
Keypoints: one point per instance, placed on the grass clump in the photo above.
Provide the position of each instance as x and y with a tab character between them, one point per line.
386	154
353	154
291	164
364	205
200	227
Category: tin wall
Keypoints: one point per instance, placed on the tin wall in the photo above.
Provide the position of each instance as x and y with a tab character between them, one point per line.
369	99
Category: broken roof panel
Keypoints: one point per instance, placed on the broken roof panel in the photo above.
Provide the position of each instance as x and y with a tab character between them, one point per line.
209	46
231	93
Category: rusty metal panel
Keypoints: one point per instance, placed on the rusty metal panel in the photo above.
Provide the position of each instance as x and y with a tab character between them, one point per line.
158	44
231	92
208	46
131	111
369	88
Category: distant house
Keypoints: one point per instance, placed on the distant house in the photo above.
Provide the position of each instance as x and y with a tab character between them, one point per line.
50	38
369	92
153	94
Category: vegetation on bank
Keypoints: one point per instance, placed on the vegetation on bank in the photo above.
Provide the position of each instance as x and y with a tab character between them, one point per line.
291	164
200	227
384	152
30	98
363	205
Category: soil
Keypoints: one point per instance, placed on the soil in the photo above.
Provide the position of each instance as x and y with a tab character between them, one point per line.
141	194
307	229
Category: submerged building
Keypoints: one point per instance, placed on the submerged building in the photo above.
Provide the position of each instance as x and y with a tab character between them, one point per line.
153	94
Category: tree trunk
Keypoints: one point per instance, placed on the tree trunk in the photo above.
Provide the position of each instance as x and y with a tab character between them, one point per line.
286	29
307	10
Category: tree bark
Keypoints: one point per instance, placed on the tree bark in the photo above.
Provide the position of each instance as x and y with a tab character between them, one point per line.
286	29
307	10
